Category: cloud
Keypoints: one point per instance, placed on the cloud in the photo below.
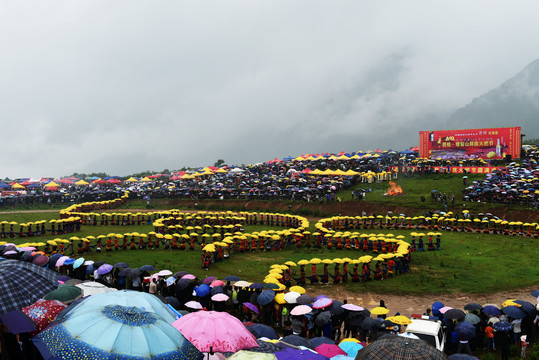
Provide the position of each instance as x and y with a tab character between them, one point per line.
128	86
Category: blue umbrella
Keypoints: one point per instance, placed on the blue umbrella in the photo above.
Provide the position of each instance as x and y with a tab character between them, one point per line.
114	332
465	330
69	261
78	263
202	290
121	265
104	269
514	311
129	298
256	286
436	308
502	326
351	348
535	293
262	330
491	310
462	357
265	297
317	341
217	290
528	307
297	354
231	278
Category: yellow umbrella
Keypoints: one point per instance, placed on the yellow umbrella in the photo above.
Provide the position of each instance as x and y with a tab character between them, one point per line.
298	289
327	261
400	319
315	261
290	263
303	262
350	340
510	302
279	299
379	311
209	247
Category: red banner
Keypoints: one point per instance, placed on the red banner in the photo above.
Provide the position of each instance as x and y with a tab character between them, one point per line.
455	169
493	143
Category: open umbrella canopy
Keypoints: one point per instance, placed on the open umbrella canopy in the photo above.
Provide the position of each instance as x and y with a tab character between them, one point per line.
65	293
491	310
262	330
305	299
454	314
465	330
250	355
113	332
329	350
322	303
23	283
43	312
321	340
129	298
231	278
400	348
265	297
472	307
93	288
301	310
472	318
514	312
502	326
217	331
252	307
351	348
297	354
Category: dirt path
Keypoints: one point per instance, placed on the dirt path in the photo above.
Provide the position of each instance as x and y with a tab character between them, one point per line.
412	304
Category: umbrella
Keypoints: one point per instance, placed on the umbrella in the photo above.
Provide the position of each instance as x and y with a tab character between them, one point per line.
96	264
134	273
104	269
436	308
217	290
179	274
216	331
330	350
121	265
124	272
63	278
265	347
61	261
336	307
462	357
164	273
352	307
209	279
265	297
322	303
322	319
251	355
514	312
472	307
242	283
502	326
369	324
321	340
305	299
297	354
491	310
65	293
297	341
220	297
129	298
256	286
397	347
217	283
472	319
18	322
465	330
291	297
379	311
231	278
300	310
43	312
41	260
182	284
252	307
454	314
92	288
147	268
202	290
535	293
266	331
189	277
23	283
193	305
113	332
78	263
528	308
175	303
351	348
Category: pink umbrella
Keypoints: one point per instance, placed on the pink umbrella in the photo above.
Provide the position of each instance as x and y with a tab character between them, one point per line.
352	307
193	305
189	277
27	248
217	283
61	261
329	350
219	297
217	331
444	309
322	303
301	310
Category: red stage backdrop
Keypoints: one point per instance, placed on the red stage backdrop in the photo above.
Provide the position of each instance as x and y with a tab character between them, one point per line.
494	143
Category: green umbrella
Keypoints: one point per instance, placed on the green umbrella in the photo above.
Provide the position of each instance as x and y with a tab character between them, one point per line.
65	293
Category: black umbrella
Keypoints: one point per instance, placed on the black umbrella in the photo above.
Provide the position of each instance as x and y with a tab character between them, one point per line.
217	290
355	318
124	272
400	348
179	274
305	299
133	273
514	311
296	341
317	341
229	278
182	284
97	264
369	324
265	347
121	265
261	330
336	307
387	324
175	303
454	314
528	308
472	307
322	319
147	268
465	330
54	258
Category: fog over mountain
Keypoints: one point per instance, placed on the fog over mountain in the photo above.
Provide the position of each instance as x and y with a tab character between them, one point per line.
514	103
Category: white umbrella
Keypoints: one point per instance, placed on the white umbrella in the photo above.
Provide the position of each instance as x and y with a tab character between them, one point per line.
291	297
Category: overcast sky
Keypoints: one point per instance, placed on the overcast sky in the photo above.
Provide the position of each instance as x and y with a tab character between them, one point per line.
127	86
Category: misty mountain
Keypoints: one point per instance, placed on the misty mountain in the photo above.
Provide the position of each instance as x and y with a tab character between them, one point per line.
513	103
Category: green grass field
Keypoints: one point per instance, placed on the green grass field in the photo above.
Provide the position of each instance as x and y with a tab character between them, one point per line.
473	263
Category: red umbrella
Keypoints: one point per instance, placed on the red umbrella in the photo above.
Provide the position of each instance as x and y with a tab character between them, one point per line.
43	312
